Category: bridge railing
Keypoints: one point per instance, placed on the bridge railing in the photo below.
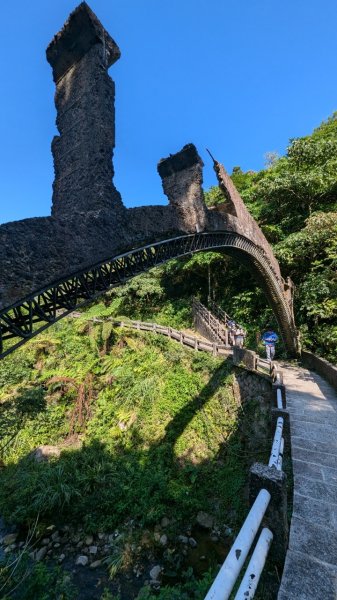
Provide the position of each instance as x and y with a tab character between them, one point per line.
229	573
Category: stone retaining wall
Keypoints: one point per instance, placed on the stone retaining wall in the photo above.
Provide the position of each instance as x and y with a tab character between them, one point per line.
321	366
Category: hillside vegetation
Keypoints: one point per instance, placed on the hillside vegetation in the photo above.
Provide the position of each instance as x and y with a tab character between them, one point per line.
147	430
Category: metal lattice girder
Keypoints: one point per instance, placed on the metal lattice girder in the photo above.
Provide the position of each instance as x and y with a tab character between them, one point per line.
32	314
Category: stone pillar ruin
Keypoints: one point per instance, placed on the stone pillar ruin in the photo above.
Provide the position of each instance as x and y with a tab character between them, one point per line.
181	175
80	55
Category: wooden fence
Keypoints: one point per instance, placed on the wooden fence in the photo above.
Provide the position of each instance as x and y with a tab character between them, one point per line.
175	334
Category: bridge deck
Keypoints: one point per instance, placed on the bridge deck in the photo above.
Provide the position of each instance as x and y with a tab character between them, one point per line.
310	571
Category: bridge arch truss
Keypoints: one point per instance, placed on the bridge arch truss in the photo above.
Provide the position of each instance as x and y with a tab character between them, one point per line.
28	317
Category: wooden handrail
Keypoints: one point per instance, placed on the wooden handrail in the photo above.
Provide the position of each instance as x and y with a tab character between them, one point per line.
215	327
185	339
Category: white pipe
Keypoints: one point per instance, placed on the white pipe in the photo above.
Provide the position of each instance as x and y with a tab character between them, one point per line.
279	398
252	575
228	574
275	451
280	458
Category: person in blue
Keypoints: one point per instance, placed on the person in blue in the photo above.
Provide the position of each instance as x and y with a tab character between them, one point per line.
269	339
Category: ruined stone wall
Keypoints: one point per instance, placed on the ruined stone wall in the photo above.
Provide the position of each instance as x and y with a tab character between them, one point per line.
36	252
238	215
151	223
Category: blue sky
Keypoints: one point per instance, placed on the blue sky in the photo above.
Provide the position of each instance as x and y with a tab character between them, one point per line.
239	77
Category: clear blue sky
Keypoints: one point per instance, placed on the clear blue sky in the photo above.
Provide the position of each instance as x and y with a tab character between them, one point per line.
240	77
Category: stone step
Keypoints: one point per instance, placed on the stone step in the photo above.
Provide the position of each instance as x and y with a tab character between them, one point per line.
317	458
314	511
307	443
316	472
306	578
317	490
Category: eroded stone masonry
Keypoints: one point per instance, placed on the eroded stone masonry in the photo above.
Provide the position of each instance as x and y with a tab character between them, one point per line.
88	221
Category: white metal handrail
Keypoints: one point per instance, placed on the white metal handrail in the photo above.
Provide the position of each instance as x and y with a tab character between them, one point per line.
280	457
253	572
276	447
228	574
226	578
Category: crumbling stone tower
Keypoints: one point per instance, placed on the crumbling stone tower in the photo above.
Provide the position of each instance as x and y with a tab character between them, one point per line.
80	55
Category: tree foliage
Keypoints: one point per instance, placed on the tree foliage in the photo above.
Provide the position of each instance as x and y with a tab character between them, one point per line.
294	200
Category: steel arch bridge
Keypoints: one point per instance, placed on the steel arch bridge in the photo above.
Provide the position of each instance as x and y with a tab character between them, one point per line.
28	317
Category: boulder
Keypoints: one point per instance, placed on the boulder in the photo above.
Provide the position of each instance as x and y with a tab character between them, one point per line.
9	539
44	453
183	539
95	564
155	572
40	554
45	541
205	520
82	560
88	540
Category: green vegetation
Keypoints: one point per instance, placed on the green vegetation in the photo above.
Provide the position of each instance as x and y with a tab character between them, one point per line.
147	429
35	582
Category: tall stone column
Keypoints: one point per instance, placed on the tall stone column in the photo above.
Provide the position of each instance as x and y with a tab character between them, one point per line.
80	55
